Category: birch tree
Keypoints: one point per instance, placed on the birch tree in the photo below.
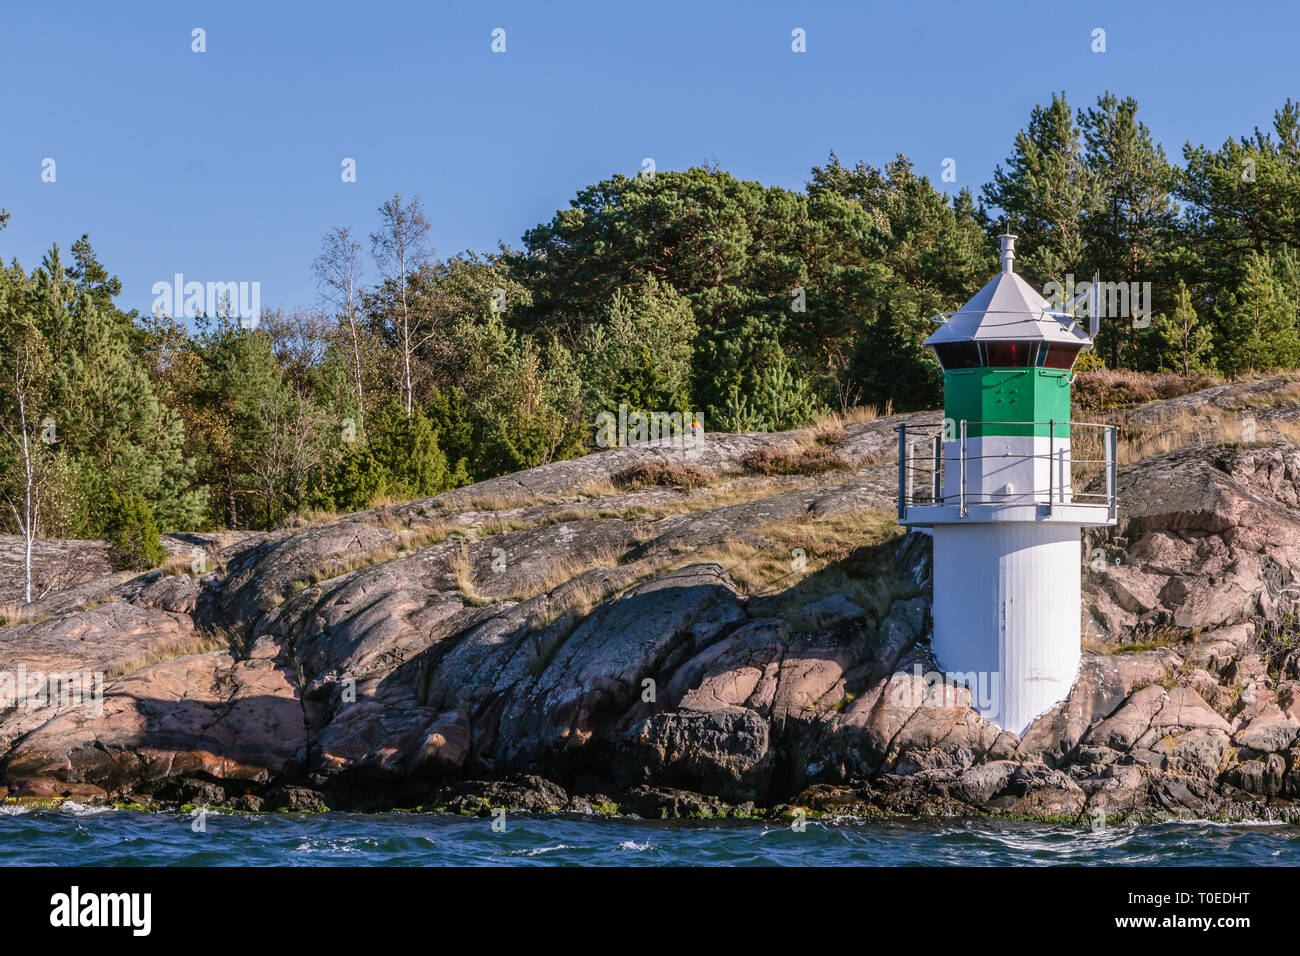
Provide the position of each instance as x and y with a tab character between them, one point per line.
24	368
338	275
400	249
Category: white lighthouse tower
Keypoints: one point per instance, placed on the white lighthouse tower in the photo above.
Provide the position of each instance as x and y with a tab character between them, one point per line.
994	483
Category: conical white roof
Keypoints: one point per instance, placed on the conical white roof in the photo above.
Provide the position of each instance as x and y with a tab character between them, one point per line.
1008	309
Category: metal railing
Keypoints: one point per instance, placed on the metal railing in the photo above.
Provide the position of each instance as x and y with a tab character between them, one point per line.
926	453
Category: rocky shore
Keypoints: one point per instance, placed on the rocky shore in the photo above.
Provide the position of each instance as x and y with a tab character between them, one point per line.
737	629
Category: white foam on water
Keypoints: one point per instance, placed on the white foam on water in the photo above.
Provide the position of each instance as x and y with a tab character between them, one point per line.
538	851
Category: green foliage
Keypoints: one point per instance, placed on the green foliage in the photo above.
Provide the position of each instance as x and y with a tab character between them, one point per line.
1187	340
407	454
131	533
736	251
692	290
1088	361
779	400
117	435
741	415
784	399
452	419
1128	235
1046	191
532	416
400	460
893	367
641	354
245	456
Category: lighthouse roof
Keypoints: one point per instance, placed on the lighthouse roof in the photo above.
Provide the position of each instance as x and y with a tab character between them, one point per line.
1008	309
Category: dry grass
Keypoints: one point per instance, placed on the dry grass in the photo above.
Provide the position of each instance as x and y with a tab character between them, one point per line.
1108	389
654	474
1206	425
312	518
799	551
814	460
11	614
409	539
830	428
719	495
184	563
857	415
508	501
1145	638
463	574
562	572
553	576
205	642
802	549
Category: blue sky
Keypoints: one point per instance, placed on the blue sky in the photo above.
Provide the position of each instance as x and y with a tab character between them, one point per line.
225	165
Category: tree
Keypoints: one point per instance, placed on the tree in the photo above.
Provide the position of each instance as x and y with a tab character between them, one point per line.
1244	197
132	534
338	275
1046	193
458	295
757	265
399	249
533	414
250	404
1257	327
929	254
641	354
116	433
285	449
24	372
784	399
891	365
406	450
1189	340
1130	228
401	459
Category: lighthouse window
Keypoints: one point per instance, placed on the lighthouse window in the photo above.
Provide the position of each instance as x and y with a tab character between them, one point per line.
1010	354
1061	356
958	355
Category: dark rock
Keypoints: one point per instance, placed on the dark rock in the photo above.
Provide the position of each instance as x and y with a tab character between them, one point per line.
295	799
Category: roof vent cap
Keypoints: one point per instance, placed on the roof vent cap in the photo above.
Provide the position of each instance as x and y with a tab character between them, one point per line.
1008	251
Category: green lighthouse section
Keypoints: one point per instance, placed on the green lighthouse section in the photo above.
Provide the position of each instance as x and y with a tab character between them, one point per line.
1006	356
1023	396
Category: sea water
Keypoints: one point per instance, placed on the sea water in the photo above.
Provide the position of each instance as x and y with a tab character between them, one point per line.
77	835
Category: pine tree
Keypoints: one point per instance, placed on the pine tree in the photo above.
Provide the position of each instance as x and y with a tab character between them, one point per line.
1256	328
1184	335
1046	192
640	355
1132	224
406	451
131	533
118	436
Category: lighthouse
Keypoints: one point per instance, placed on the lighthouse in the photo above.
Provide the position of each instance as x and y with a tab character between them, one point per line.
995	486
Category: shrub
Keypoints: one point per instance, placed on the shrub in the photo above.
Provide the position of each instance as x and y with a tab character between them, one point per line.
1107	389
657	473
132	534
793	461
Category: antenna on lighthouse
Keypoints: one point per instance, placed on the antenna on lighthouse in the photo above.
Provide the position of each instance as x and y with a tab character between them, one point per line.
1094	306
1092	295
